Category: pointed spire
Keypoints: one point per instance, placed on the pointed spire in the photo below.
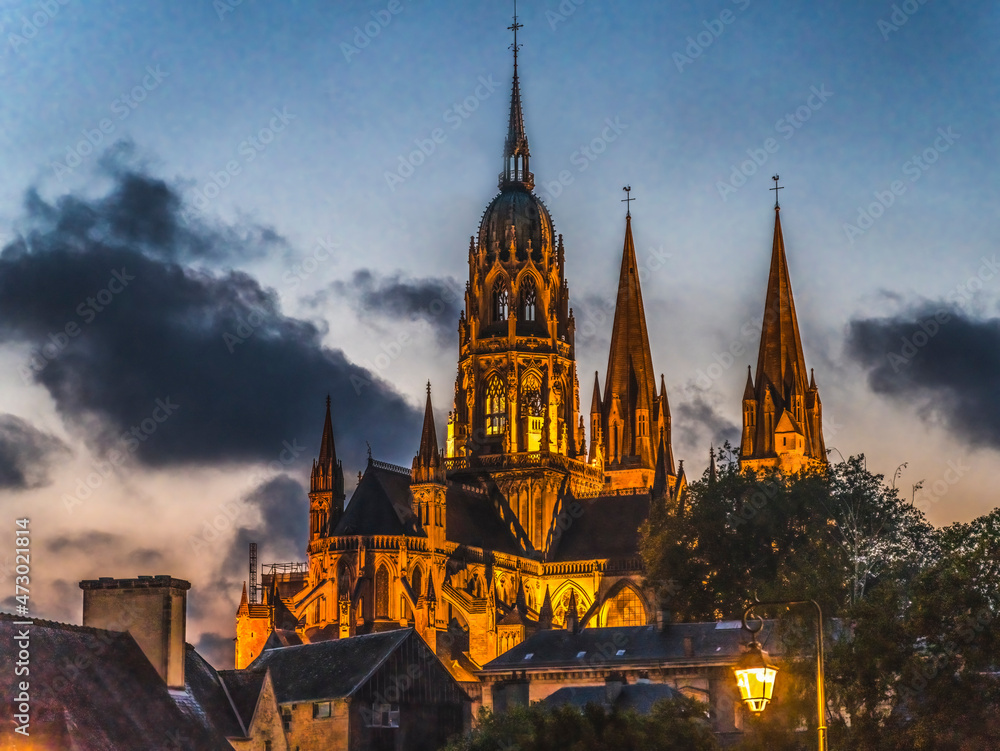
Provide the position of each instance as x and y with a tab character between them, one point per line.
520	600
243	598
595	403
327	449
630	374
545	614
712	473
572	616
780	357
427	462
748	392
779	383
664	470
515	149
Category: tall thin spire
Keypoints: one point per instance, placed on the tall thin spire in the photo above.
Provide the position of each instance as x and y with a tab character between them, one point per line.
630	375
327	449
779	385
780	361
516	152
427	462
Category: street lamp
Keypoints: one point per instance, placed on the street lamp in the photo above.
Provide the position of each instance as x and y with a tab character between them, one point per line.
755	676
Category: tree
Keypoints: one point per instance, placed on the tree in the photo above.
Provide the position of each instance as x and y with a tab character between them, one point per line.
825	534
673	725
913	648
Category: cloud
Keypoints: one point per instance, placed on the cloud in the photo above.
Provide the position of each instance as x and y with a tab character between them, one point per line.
26	454
122	326
92	541
697	424
437	301
219	650
283	529
938	358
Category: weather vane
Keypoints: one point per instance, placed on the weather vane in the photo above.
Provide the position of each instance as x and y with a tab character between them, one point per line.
514	27
627	200
776	188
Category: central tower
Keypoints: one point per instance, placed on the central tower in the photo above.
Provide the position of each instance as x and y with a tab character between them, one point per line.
517	399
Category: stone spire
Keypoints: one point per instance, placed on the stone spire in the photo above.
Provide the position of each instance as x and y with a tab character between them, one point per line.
778	396
326	483
515	149
630	382
427	462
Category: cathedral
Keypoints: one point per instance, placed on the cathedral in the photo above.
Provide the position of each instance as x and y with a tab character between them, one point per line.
516	522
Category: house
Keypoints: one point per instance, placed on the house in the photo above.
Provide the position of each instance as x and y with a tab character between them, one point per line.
627	667
381	692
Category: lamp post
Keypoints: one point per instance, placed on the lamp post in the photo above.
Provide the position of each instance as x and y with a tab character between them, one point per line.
755	675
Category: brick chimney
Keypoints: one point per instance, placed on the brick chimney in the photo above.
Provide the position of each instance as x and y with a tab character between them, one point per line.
153	609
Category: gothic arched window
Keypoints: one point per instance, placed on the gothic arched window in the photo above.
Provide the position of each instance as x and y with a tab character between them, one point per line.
625	609
529	300
501	301
382	592
496	406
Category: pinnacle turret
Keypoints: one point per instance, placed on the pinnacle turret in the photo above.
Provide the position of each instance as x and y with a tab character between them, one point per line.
779	384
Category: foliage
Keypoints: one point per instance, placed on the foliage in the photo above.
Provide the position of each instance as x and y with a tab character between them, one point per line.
824	535
913	654
676	725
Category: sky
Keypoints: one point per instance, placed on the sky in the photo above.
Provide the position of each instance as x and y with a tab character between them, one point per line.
212	214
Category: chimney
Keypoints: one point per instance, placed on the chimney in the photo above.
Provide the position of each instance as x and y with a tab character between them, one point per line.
613	685
153	609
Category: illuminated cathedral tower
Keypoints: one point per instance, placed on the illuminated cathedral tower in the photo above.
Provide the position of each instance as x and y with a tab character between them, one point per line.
628	425
782	411
516	407
512	527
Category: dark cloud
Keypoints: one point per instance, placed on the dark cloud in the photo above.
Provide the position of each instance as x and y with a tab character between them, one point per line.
697	424
26	454
438	301
219	650
89	542
102	290
283	530
939	359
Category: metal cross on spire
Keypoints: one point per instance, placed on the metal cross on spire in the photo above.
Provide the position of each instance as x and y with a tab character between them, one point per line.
627	200
514	27
776	188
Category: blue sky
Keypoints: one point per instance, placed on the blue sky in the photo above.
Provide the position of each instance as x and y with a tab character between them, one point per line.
674	99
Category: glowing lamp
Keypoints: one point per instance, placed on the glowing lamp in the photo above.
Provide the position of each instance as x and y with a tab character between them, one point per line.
755	678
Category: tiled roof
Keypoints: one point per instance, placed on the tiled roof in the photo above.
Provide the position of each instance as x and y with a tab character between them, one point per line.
606	527
622	646
94	689
380	505
327	669
638	696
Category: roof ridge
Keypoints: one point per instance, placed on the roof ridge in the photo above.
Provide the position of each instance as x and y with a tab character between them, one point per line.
60	625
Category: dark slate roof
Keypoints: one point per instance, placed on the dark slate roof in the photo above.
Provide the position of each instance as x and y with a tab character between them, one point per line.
380	505
206	701
638	696
720	642
473	521
115	700
607	527
244	688
327	669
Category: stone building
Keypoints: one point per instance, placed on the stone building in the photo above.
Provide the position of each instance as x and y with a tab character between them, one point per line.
516	523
